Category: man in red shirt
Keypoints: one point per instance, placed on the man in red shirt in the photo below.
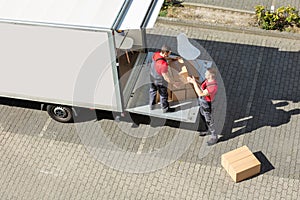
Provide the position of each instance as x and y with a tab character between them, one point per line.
206	94
160	78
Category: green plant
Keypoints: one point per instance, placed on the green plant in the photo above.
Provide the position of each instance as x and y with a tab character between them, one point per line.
163	13
166	5
281	19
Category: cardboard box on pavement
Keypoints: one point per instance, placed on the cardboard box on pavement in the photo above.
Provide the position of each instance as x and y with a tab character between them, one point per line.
240	163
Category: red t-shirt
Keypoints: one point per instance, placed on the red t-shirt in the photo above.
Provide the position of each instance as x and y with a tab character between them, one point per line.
161	66
212	88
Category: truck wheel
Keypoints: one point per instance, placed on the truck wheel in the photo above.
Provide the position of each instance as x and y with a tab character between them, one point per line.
60	113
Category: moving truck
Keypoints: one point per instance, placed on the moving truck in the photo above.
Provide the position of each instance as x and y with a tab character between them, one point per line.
66	53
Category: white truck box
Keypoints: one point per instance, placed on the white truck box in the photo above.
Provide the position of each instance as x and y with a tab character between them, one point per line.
63	53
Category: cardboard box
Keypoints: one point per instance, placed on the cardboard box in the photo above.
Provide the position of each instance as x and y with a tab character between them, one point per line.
234	156
179	72
178	95
169	96
240	163
244	168
190	93
183	75
183	94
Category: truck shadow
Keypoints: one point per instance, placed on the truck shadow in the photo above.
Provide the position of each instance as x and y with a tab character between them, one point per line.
20	103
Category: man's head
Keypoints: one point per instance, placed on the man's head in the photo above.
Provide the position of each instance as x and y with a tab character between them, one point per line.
211	73
165	51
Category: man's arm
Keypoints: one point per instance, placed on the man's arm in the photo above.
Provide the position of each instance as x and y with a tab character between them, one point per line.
198	90
167	77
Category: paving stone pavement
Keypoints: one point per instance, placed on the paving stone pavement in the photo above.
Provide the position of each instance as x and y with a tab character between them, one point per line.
43	159
246	4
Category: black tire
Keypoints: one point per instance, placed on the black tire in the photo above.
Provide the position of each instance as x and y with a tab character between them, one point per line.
60	113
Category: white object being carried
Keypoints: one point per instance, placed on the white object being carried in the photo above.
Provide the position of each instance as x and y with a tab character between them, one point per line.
185	49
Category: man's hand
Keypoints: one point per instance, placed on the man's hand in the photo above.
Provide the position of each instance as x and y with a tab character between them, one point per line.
191	79
196	86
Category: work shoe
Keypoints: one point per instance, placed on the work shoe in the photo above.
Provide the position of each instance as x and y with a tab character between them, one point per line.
212	141
168	110
203	133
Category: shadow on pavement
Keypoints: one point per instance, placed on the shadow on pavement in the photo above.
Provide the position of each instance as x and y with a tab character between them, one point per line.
265	163
276	94
20	103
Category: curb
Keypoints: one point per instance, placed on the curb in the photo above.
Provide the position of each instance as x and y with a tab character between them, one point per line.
235	29
217	7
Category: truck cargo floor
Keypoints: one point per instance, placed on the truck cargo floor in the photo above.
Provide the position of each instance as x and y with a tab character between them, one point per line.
185	111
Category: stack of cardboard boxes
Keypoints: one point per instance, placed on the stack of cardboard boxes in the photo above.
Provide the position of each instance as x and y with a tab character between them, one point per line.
240	163
179	71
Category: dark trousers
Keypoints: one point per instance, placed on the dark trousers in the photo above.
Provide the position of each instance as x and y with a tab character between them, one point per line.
163	92
206	112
